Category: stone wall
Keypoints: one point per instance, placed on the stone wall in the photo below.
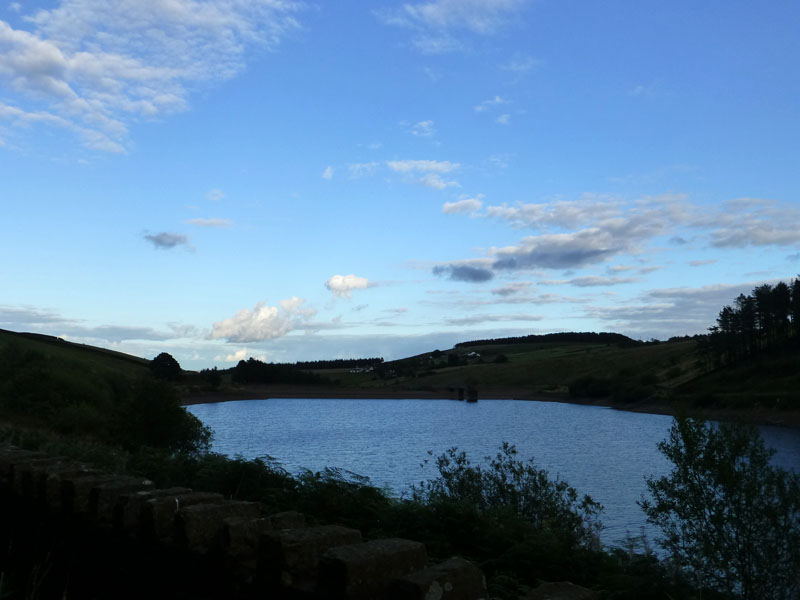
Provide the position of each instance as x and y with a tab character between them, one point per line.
82	533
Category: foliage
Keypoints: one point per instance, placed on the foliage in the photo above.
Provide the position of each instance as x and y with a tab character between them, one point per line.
256	371
512	486
728	516
95	402
164	366
339	363
767	318
153	416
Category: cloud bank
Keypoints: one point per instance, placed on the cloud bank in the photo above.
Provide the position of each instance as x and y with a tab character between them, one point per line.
95	67
439	25
263	322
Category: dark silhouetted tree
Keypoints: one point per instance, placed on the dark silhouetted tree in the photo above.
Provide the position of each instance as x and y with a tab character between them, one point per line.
768	318
727	515
164	366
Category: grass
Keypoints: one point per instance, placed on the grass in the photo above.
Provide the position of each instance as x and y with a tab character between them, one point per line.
541	366
88	357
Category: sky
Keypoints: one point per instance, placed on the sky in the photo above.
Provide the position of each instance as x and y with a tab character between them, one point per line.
300	180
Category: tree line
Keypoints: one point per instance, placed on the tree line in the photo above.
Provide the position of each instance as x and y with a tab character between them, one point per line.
256	371
339	363
571	336
766	319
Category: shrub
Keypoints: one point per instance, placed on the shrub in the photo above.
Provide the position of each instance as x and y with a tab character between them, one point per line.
508	486
728	516
164	366
154	417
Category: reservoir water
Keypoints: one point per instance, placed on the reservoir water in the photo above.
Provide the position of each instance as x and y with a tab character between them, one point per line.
599	451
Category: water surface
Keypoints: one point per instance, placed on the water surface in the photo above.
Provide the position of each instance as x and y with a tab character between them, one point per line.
600	451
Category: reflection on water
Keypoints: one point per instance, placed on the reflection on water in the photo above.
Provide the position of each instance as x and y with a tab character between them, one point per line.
601	452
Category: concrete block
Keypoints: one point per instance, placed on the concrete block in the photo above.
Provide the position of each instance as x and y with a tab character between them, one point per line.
453	579
289	557
198	527
363	571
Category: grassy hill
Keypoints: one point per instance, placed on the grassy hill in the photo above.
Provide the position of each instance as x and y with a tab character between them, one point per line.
88	392
533	368
621	371
89	357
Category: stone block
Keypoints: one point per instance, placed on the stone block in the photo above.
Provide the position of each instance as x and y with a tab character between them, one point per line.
24	474
75	491
240	535
157	515
453	579
290	519
363	571
198	527
560	590
128	509
53	494
289	557
104	497
9	457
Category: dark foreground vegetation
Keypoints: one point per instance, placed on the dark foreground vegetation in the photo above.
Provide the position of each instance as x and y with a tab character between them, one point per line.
730	521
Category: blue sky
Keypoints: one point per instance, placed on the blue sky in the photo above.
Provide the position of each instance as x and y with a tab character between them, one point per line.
296	180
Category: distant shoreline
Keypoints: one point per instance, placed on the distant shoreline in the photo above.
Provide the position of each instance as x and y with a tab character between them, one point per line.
755	415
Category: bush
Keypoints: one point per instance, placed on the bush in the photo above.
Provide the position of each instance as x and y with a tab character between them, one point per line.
154	417
728	516
508	486
164	366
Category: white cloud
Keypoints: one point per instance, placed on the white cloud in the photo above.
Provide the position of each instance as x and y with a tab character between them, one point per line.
522	64
427	166
242	354
328	173
96	67
15	7
359	170
753	222
503	119
489	104
423	129
210	222
477	16
463	206
343	285
215	195
264	322
426	172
